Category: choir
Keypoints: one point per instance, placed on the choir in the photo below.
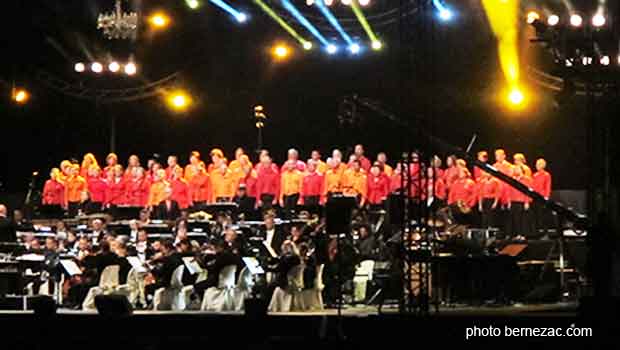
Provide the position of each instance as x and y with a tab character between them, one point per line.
264	185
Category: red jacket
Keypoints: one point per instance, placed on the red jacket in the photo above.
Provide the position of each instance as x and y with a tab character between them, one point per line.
516	196
250	184
199	187
97	188
267	181
463	190
542	183
506	168
378	188
116	192
312	185
180	193
440	188
489	189
450	176
53	193
138	192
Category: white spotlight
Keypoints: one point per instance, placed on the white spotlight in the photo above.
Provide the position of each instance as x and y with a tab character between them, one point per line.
130	68
332	49
307	45
241	17
586	60
96	67
605	61
346	2
328	2
354	48
364	2
79	67
576	20
598	20
309	2
376	45
553	20
445	15
114	67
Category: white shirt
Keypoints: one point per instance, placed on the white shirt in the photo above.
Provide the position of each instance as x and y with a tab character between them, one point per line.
270	234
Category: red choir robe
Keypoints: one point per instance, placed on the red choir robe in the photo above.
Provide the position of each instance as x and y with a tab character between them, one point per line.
115	193
463	190
517	196
53	193
138	191
267	182
97	188
542	183
378	188
180	193
312	185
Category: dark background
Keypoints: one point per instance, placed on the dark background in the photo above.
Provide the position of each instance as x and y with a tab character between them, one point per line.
228	69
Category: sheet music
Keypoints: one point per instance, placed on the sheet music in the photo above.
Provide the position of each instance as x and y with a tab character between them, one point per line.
253	265
192	265
137	264
71	267
31	257
270	250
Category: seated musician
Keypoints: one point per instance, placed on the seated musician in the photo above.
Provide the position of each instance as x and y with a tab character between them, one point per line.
309	260
223	257
120	250
165	264
21	223
366	244
83	248
98	231
288	259
143	250
297	236
234	242
272	235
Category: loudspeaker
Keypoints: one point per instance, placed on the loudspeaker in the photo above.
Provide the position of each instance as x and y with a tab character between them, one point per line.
42	305
338	214
113	305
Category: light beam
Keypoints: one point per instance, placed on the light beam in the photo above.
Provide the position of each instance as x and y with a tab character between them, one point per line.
269	11
375	43
239	16
333	21
312	29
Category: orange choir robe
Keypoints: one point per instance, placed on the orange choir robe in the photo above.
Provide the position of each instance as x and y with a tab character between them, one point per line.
290	182
333	181
354	184
158	192
223	185
235	166
388	170
189	171
53	193
74	186
321	166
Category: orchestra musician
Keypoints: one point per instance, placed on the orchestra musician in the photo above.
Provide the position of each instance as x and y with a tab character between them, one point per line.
288	259
272	235
168	209
223	256
7	227
54	190
290	186
164	266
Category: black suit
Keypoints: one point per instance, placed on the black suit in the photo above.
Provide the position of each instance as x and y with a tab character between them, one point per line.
167	210
278	238
7	230
166	269
287	262
100	261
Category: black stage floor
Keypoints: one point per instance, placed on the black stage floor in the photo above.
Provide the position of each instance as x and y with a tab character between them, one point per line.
357	326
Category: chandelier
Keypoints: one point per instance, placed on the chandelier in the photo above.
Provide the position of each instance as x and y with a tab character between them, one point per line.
118	24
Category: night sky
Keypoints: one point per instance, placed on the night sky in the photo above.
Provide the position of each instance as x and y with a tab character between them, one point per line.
228	69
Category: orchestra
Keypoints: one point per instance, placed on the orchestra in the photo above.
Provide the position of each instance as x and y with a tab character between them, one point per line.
172	196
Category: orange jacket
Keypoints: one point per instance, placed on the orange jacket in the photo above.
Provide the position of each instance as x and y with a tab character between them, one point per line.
354	183
223	185
290	183
158	192
333	181
74	186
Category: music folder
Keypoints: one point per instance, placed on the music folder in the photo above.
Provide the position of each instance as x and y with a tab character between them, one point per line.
70	267
192	265
270	250
253	265
137	264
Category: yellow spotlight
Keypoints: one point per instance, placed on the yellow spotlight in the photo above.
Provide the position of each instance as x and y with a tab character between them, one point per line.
376	45
179	100
307	45
532	16
516	97
20	96
159	20
281	51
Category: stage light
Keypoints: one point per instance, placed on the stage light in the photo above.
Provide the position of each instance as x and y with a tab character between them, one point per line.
239	16
515	97
532	16
332	49
268	10
364	2
114	67
307	45
553	20
605	60
192	4
354	48
281	51
79	67
179	100
445	15
303	21
598	20
333	21
96	67
309	2
20	96
327	2
586	61
576	20
159	20
346	2
130	68
376	44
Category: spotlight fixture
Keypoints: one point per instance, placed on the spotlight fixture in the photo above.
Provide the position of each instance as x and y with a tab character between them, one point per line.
130	68
192	4
515	97
605	61
328	2
96	67
241	17
159	20
114	67
445	15
307	45
354	48
20	96
576	20
376	45
178	100
281	51
598	20
79	67
553	20
346	2
364	2
332	49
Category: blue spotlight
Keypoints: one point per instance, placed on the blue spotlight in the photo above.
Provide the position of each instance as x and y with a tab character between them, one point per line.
331	49
239	16
445	14
354	48
333	21
312	29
